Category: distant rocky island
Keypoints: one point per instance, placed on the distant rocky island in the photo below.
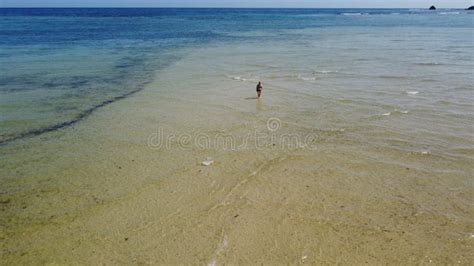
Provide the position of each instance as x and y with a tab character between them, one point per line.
470	8
432	8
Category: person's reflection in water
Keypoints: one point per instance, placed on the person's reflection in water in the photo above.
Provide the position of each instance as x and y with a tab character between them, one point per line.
259	105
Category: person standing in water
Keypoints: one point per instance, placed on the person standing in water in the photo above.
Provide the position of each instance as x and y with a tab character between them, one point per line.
259	89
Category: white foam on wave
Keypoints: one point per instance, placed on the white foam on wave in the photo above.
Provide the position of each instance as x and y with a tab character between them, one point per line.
412	92
237	78
396	112
401	111
325	71
354	14
306	78
428	64
449	13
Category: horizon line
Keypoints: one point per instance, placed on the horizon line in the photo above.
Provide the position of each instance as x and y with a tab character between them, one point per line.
217	7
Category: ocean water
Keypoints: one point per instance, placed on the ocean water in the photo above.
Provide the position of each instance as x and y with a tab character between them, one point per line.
58	65
385	95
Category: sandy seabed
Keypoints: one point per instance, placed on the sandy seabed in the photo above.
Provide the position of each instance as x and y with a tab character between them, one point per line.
104	191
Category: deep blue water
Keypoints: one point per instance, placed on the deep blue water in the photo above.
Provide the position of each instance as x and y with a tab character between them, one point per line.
59	65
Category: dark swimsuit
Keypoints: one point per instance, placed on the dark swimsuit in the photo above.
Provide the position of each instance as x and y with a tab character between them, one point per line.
259	87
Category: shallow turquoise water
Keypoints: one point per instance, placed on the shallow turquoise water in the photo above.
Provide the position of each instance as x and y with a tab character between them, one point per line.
387	95
59	65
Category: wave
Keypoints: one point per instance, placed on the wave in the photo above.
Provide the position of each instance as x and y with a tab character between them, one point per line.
449	13
399	112
237	78
428	64
314	15
293	77
355	14
325	71
306	78
412	92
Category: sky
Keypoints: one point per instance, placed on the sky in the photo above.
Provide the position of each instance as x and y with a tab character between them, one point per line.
237	3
